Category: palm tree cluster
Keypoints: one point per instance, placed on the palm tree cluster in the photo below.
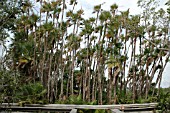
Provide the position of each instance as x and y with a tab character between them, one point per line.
111	57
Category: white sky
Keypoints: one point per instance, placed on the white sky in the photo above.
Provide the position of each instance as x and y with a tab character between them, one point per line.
87	5
123	4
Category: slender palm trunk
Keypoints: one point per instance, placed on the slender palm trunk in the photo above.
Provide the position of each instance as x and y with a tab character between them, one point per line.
134	72
62	62
94	81
109	85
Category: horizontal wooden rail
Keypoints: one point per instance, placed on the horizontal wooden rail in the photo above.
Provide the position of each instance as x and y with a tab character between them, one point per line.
67	107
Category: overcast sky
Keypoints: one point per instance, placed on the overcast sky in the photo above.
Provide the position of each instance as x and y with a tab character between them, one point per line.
87	5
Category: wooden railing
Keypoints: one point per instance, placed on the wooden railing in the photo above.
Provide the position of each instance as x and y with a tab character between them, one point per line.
73	108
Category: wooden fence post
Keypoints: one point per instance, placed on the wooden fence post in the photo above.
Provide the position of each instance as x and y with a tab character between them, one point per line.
73	111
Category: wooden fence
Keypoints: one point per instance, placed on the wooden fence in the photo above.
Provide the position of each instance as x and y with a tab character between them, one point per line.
73	108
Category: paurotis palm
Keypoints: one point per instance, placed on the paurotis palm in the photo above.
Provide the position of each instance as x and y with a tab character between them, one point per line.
70	55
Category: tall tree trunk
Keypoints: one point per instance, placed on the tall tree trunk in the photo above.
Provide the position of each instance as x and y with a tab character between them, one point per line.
84	84
72	74
94	81
109	85
116	72
134	71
